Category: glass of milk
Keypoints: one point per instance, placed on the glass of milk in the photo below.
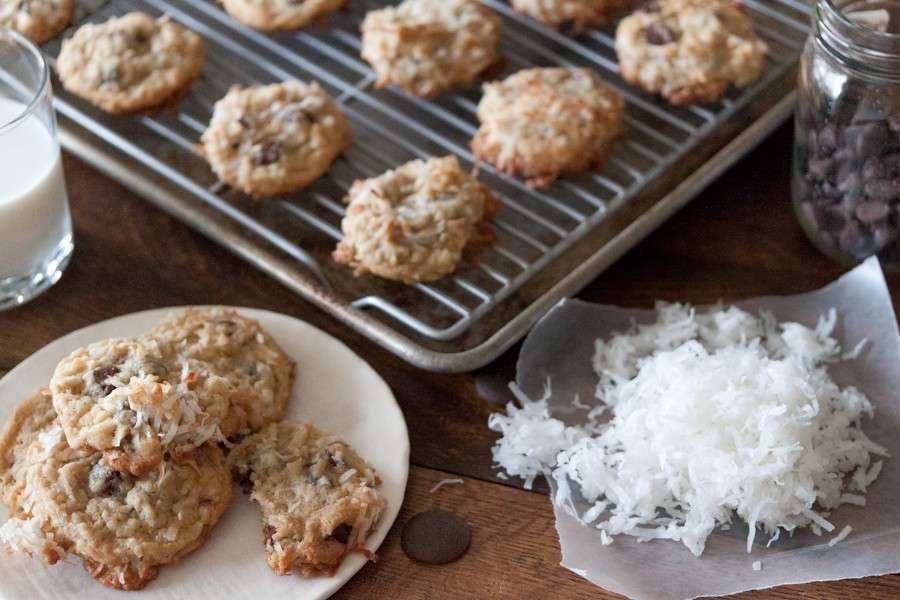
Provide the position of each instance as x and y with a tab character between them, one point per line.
35	227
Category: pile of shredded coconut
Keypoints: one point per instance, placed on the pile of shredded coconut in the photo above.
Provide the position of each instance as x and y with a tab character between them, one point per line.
710	414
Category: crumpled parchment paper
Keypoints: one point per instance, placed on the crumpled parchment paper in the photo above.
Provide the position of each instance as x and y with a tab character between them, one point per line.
560	348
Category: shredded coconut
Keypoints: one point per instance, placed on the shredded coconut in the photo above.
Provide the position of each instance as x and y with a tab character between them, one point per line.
28	536
713	414
444	482
841	536
757	565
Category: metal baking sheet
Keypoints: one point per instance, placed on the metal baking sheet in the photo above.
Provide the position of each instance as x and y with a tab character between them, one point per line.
549	242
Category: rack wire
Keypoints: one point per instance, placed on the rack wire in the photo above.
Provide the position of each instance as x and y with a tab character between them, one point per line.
534	228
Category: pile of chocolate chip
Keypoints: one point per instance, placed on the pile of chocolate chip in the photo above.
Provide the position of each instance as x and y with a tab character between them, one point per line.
848	189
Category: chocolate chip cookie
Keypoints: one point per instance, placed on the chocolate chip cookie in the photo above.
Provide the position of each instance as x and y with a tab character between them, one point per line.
415	223
542	122
689	51
426	47
317	496
270	15
581	13
220	342
274	139
123	527
134	400
38	20
31	417
130	63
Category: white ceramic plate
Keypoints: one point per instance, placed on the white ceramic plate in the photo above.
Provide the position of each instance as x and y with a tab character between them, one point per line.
334	388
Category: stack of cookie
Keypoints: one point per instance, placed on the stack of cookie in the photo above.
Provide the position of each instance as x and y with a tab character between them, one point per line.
126	460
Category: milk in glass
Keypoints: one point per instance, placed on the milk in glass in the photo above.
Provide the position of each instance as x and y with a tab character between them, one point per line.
34	214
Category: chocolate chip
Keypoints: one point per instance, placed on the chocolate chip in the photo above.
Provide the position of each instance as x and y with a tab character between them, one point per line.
341	533
872	212
228	327
882	190
268	533
827	141
266	153
103	481
101	375
436	537
659	34
243	123
244	481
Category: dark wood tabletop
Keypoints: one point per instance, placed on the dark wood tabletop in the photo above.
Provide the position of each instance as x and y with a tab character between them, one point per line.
737	239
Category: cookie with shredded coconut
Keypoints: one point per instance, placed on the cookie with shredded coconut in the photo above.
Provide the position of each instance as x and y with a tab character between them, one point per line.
219	342
31	418
426	47
38	20
124	528
689	51
415	223
274	139
542	122
130	63
581	13
272	15
134	400
316	494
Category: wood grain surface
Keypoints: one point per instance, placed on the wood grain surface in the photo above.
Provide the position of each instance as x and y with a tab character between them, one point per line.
737	239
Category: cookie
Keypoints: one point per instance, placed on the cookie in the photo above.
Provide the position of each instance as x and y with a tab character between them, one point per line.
221	341
270	15
416	222
317	496
134	400
274	139
689	51
542	122
581	13
38	20
124	528
31	417
426	47
130	63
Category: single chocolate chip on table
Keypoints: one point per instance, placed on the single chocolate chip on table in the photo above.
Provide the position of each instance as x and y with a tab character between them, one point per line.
436	537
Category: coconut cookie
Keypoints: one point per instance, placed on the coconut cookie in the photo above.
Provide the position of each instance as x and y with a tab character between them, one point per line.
123	527
689	50
274	139
220	340
270	15
32	417
542	122
38	20
131	62
414	223
134	400
426	47
317	496
581	13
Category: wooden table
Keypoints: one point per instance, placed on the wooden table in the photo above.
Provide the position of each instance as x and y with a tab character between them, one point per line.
737	239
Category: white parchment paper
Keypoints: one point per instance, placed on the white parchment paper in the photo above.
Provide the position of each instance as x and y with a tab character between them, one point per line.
560	347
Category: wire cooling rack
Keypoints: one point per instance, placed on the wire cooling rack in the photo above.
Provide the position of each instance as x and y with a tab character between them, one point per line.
549	243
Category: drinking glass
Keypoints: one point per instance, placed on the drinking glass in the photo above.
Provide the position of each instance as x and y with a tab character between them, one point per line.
35	226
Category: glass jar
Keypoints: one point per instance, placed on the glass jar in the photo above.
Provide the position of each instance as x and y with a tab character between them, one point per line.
846	164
